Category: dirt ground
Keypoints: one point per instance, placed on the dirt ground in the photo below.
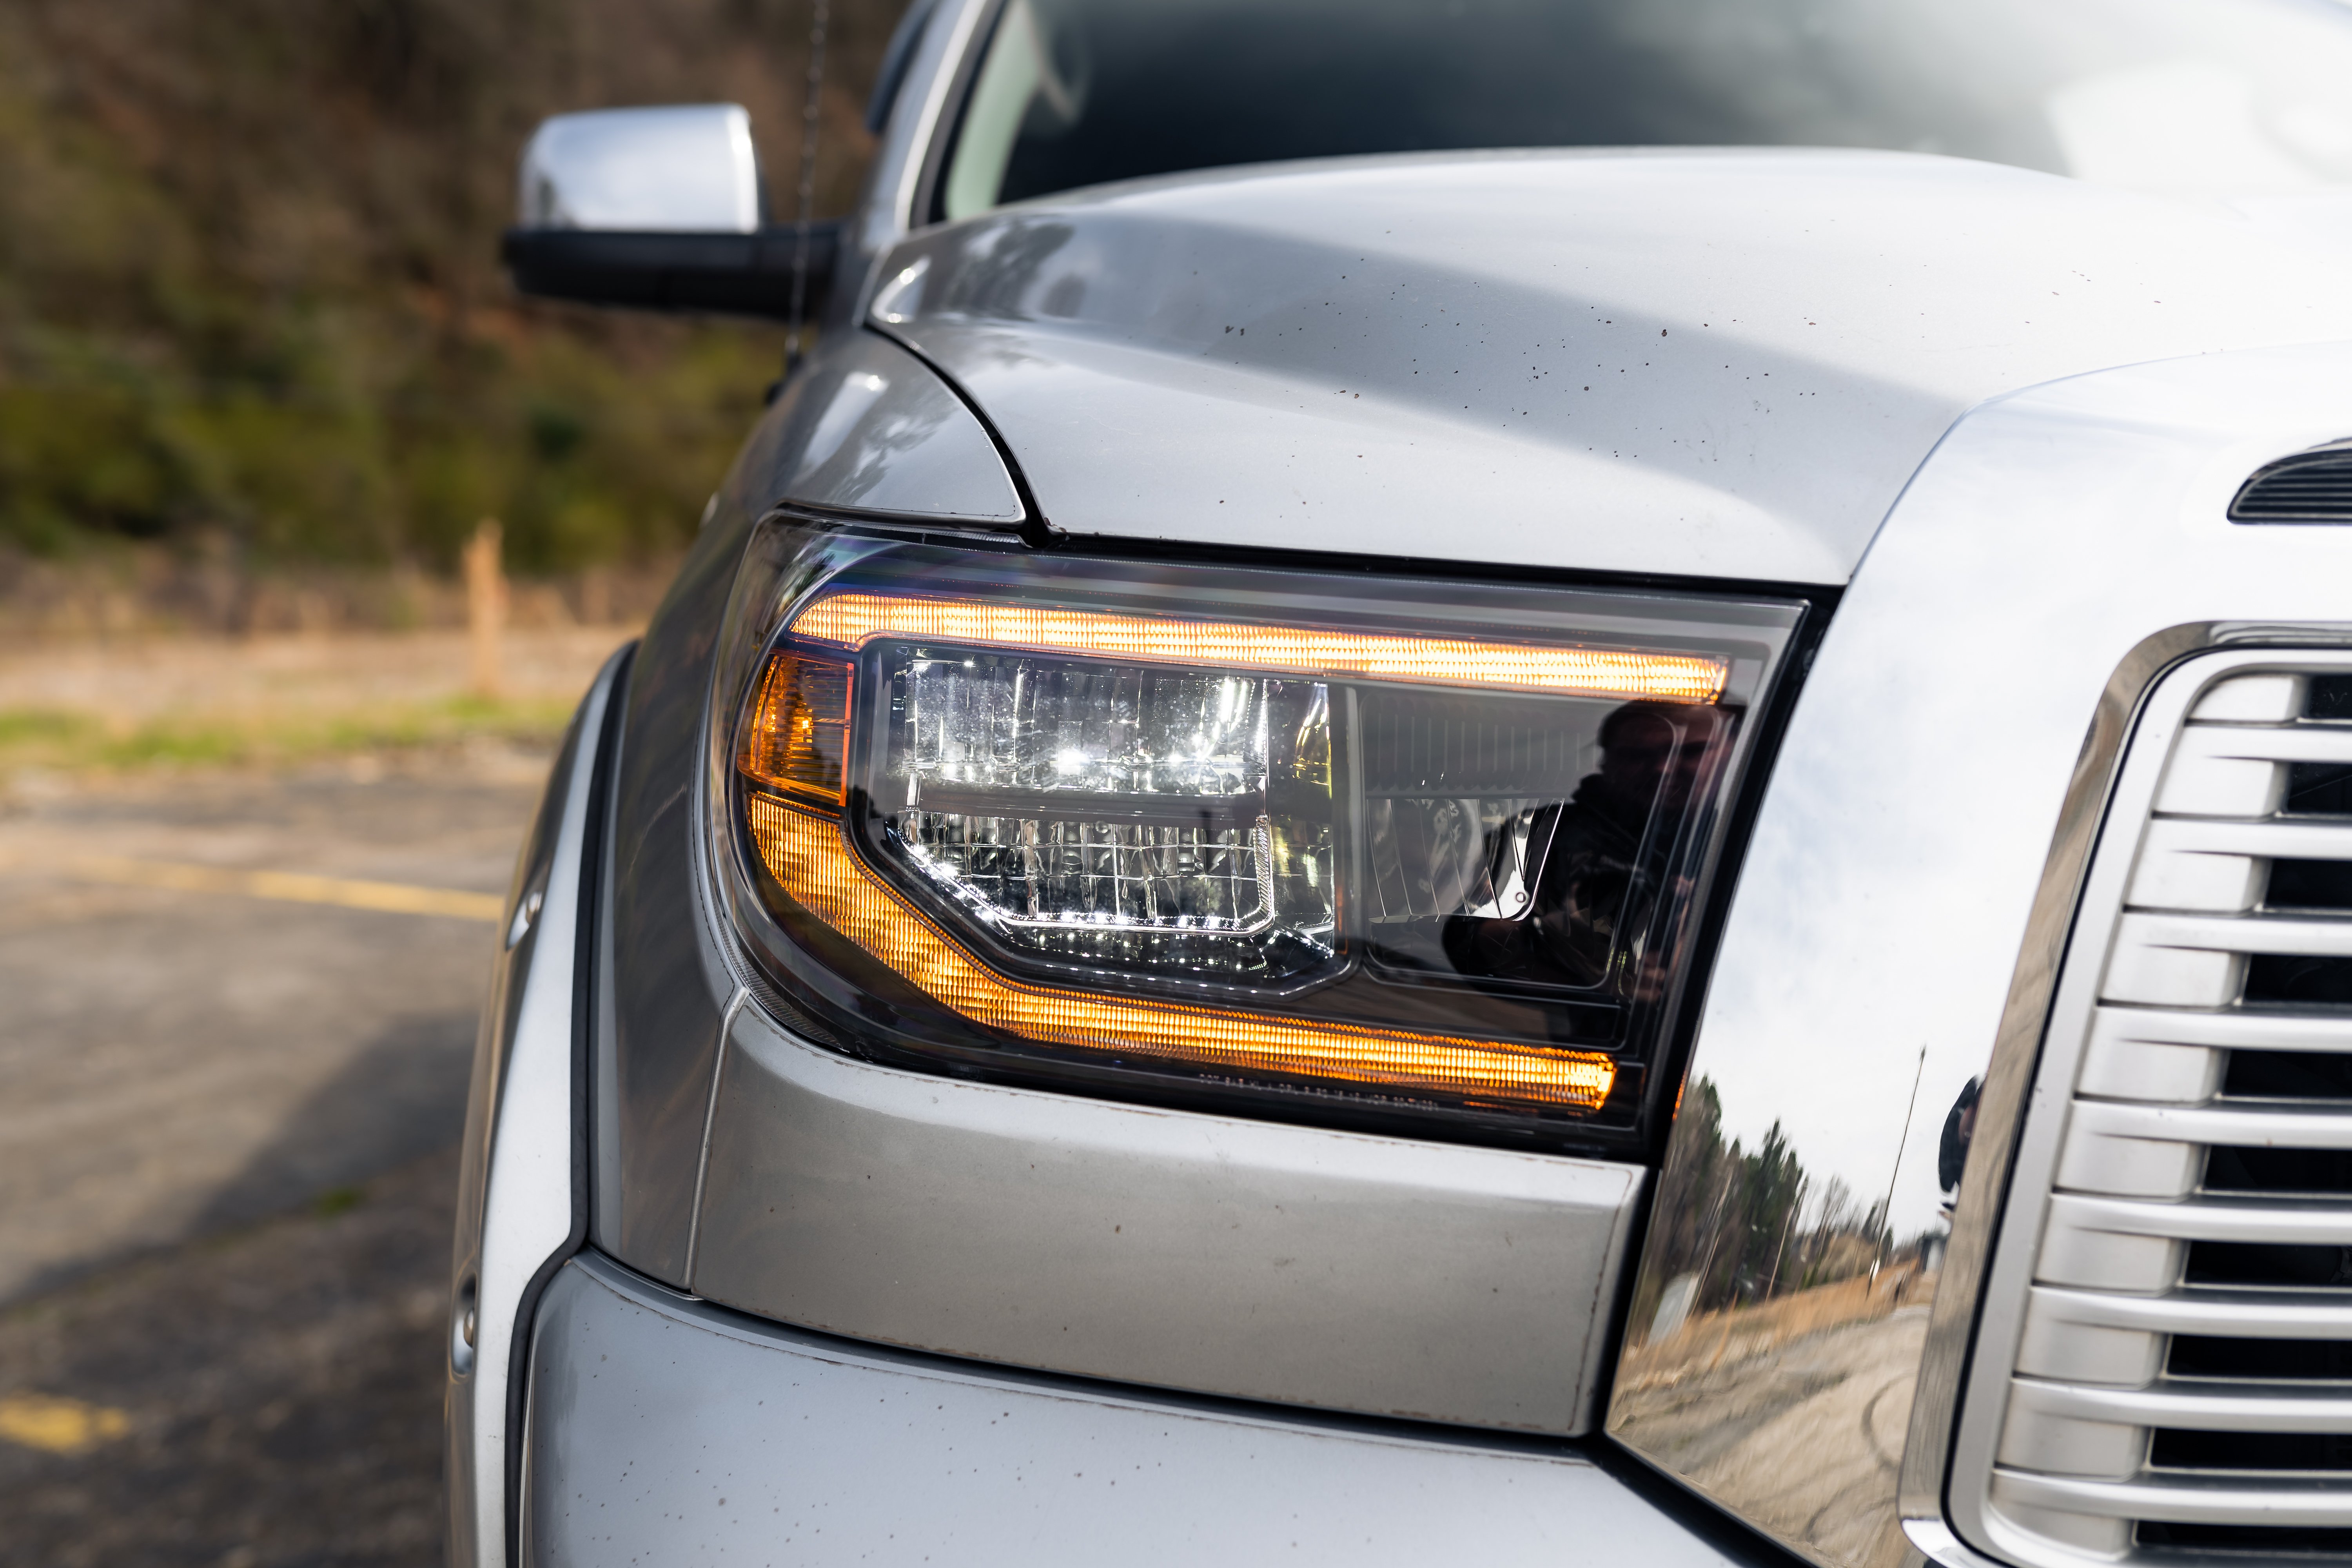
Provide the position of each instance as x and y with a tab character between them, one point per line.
1725	1404
227	1111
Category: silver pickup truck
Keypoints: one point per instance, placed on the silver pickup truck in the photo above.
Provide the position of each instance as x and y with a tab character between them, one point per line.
1464	781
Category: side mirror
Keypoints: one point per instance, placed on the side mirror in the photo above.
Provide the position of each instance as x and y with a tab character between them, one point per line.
660	210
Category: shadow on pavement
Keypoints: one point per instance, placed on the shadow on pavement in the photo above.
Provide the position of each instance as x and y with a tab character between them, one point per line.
279	1379
402	1096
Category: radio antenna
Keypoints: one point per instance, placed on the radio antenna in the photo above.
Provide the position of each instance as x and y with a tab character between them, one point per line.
1886	1216
810	108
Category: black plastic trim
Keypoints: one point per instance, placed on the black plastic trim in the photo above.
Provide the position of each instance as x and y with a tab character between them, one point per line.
1821	597
930	196
736	274
2308	486
1739	1542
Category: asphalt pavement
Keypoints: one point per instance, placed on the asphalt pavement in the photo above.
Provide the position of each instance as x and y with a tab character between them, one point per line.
233	1068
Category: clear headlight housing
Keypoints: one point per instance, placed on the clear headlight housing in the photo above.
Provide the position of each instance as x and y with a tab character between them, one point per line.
1300	843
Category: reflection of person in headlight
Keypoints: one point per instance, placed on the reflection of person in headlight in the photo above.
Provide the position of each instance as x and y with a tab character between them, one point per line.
1952	1153
1650	757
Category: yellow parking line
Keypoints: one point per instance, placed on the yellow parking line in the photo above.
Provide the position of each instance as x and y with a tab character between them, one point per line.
395	897
58	1425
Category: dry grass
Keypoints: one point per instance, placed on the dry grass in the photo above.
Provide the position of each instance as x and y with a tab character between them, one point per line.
1709	1340
77	708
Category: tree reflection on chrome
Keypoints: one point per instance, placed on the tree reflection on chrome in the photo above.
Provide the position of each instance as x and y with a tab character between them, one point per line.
1783	1319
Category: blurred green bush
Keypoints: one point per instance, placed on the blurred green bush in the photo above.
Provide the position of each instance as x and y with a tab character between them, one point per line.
249	301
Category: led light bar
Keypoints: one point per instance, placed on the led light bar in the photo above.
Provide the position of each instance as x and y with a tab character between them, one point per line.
854	619
808	857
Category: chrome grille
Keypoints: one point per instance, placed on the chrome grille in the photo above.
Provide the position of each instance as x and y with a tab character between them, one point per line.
2179	1383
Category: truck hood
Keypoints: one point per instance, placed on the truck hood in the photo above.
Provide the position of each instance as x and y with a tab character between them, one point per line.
1720	364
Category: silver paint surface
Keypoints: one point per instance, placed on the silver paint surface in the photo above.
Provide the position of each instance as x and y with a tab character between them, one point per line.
864	425
665	1431
669	977
2058	550
1211	1254
1707	363
872	429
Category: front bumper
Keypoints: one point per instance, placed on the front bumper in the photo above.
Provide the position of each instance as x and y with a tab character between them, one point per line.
663	1429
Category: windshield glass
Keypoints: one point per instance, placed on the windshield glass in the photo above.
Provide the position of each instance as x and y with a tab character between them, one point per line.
2187	97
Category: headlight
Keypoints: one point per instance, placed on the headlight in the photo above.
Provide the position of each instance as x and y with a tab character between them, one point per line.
1367	845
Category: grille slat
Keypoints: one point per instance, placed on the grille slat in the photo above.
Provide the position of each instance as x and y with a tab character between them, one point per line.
2241	1031
2202	1405
2312	1223
2183	1376
2284	1124
2271	840
2224	1499
2302	936
2237	1314
2208	742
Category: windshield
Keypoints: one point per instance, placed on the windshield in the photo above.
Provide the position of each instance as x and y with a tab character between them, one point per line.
2186	97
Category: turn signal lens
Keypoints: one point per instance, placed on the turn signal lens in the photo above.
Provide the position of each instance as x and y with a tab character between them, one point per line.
1237	832
796	739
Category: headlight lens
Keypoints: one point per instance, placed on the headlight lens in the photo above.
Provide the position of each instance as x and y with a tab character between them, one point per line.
1380	847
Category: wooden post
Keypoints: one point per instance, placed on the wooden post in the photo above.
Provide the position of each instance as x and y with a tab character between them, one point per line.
596	596
486	604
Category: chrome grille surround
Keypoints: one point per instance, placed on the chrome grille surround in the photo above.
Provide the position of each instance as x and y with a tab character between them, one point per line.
2051	1459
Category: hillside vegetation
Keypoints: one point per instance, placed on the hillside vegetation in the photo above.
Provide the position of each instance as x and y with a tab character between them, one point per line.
250	309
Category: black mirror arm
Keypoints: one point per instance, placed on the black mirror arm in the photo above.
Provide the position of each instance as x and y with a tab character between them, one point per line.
733	274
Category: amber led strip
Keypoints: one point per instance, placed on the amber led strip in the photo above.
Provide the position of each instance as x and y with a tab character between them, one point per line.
807	856
853	620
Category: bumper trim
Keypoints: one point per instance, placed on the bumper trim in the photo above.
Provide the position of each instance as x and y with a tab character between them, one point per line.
663	1427
1182	1249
